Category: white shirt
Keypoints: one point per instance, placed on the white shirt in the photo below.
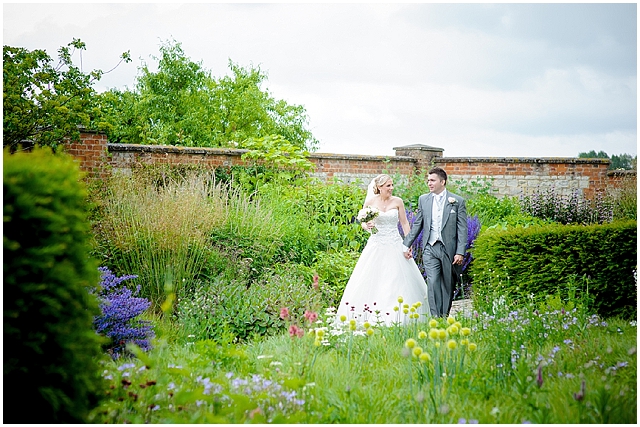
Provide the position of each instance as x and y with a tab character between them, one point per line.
437	209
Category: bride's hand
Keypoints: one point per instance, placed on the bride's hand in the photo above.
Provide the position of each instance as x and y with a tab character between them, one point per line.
367	225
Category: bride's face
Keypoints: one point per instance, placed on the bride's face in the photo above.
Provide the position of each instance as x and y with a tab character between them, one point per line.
386	189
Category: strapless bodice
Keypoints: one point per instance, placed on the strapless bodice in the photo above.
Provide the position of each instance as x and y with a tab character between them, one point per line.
387	225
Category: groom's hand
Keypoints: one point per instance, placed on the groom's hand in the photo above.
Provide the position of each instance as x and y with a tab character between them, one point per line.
457	259
408	253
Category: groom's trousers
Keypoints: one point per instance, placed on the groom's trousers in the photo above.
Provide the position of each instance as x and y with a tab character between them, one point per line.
438	267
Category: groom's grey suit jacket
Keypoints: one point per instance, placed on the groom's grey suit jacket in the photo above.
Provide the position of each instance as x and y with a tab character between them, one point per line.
454	224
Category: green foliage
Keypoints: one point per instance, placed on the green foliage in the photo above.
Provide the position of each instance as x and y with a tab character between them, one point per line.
42	102
217	308
540	260
334	270
51	351
492	211
326	209
182	104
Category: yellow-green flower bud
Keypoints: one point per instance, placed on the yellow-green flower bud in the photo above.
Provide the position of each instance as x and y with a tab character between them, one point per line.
458	324
433	323
369	332
352	327
451	320
405	310
400	300
418	304
422	335
442	334
425	357
367	325
453	329
452	344
410	343
352	322
465	331
396	308
417	351
320	332
464	341
437	344
433	333
343	317
317	342
472	346
412	309
405	305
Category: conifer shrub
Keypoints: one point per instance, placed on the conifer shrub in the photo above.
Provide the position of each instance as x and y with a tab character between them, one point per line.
51	352
543	260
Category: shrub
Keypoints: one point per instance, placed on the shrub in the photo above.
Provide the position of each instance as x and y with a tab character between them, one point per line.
51	352
491	210
540	260
120	309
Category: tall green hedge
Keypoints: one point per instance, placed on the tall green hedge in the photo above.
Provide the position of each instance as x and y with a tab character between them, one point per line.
51	352
541	260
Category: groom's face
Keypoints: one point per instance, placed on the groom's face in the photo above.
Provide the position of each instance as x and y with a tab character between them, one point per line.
435	183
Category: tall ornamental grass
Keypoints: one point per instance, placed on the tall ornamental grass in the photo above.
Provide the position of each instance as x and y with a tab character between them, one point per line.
159	231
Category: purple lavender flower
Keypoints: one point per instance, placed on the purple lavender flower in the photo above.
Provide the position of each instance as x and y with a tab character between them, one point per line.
120	308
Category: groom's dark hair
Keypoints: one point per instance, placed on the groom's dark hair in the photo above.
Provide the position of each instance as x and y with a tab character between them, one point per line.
440	172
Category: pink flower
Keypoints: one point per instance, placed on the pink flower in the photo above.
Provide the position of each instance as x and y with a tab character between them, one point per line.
315	281
294	330
310	316
284	312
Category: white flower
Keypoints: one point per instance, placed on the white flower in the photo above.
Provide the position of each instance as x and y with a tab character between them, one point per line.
451	200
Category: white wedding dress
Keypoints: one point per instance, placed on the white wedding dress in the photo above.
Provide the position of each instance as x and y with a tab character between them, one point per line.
381	275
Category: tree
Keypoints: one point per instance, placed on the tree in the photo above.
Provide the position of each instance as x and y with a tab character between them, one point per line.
182	104
622	161
593	155
44	104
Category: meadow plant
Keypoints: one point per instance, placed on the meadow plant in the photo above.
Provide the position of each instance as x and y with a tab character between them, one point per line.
572	209
120	310
159	230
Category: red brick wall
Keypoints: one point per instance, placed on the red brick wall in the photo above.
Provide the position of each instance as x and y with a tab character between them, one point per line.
509	175
91	152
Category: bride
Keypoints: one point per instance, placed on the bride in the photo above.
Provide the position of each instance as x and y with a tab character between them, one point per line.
384	283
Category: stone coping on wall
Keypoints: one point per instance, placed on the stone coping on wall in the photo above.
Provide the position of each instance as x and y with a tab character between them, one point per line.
569	160
162	149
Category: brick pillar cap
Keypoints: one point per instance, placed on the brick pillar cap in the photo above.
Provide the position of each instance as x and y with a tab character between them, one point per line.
420	147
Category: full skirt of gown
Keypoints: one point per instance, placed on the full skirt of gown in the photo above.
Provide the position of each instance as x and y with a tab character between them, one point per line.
381	276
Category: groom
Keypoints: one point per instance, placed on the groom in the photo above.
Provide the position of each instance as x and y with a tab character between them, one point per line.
443	217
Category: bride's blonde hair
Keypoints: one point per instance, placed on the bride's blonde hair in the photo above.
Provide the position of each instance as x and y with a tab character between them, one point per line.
379	181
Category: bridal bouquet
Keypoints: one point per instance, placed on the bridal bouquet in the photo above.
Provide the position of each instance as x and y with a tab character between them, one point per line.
366	214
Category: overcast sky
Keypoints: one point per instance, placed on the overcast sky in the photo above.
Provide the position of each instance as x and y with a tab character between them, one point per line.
499	80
